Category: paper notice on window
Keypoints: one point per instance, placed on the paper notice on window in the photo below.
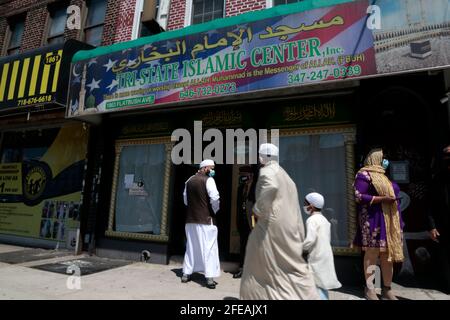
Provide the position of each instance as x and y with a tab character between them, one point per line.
135	190
129	178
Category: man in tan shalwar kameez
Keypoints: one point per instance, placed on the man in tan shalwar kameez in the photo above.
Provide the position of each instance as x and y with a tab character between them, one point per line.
274	267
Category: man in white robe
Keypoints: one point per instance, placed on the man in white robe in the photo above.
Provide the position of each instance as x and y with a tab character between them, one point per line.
274	267
202	200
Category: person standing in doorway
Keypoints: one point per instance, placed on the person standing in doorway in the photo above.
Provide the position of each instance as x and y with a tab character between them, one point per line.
380	229
202	200
318	245
245	201
438	214
274	267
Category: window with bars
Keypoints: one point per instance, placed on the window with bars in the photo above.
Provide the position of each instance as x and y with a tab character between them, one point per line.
279	2
206	10
93	30
16	28
58	18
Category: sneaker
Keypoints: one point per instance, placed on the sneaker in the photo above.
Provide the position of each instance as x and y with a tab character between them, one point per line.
210	283
185	278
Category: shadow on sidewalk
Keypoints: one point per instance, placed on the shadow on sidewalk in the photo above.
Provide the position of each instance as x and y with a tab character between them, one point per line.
32	254
359	292
195	277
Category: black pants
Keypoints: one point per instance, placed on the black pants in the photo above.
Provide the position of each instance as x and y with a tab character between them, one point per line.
244	232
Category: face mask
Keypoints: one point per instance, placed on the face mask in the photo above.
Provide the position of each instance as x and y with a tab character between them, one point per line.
306	209
261	161
211	173
385	164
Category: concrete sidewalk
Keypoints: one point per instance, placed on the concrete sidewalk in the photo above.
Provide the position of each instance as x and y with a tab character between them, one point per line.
141	281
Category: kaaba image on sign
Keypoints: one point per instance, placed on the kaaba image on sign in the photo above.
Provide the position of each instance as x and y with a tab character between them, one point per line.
421	49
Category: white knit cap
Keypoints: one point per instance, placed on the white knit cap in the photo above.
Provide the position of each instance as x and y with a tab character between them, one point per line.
268	149
315	199
206	163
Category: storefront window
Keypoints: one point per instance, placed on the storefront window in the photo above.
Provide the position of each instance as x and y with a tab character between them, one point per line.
41	175
26	145
140	192
316	163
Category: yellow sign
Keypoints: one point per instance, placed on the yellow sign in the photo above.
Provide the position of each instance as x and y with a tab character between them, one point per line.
30	80
41	198
11	179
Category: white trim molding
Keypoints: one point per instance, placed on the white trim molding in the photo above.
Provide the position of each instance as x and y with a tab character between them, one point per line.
188	13
137	19
163	13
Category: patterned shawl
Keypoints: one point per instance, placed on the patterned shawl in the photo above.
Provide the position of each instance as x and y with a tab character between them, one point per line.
383	186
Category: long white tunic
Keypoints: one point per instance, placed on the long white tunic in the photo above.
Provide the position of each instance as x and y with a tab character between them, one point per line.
202	251
274	267
320	256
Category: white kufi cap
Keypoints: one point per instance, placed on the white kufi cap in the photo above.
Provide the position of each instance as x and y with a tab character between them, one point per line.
206	163
315	199
268	149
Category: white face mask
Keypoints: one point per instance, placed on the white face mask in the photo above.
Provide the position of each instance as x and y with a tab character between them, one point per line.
262	160
307	210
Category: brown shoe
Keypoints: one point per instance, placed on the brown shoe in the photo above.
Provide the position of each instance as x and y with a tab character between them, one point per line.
370	294
388	294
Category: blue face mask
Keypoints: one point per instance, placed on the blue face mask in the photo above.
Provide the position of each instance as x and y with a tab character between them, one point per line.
385	164
211	173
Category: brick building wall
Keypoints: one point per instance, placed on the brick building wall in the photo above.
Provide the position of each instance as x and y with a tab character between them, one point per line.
35	28
236	7
118	25
177	12
34	24
118	21
119	17
3	30
36	16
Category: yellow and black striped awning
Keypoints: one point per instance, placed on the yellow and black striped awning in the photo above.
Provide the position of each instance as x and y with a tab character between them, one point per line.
36	78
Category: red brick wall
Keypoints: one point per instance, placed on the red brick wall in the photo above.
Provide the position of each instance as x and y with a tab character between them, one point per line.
118	21
34	31
236	7
232	8
3	29
36	17
177	11
16	6
124	21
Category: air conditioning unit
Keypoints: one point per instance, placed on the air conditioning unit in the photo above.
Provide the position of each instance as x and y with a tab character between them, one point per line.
149	10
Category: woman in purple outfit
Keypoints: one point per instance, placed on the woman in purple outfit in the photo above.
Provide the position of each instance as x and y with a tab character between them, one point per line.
380	226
